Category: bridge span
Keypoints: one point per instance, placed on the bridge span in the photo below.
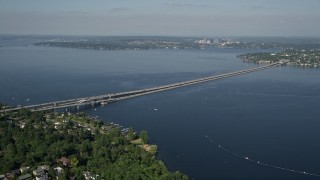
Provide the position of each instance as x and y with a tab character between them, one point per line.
113	97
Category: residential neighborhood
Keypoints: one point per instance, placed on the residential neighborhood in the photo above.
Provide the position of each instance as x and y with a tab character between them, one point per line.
53	145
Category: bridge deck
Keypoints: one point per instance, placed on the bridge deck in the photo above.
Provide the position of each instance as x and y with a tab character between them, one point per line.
108	98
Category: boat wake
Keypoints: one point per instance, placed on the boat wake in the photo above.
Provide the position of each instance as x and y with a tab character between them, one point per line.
246	158
281	95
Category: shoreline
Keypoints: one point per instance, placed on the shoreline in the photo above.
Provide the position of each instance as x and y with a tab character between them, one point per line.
98	135
289	64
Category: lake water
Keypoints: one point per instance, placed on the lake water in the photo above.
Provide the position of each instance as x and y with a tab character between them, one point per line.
271	116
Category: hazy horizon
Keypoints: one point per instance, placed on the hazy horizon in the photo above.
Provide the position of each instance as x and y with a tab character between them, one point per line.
164	36
248	18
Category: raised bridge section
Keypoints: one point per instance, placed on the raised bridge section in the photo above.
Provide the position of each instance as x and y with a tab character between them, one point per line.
109	98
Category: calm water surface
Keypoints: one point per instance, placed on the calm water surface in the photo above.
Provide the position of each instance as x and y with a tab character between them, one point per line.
271	116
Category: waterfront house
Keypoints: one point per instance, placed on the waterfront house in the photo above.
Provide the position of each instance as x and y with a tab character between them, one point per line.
24	170
40	174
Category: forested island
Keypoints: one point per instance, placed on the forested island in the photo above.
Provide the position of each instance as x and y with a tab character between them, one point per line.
298	51
304	58
147	44
159	42
122	44
74	146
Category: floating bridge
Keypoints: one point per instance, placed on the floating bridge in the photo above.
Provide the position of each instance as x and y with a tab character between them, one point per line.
114	97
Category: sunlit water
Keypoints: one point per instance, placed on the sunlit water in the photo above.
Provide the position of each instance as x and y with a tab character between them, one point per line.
271	115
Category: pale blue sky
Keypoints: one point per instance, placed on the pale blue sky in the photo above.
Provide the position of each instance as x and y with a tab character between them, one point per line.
166	17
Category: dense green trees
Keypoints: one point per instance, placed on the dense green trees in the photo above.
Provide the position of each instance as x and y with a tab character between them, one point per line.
144	136
109	155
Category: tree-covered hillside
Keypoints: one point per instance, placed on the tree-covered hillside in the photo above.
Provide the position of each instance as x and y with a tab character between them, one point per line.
78	145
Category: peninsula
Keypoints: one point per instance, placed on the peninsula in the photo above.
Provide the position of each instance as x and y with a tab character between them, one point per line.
65	146
303	57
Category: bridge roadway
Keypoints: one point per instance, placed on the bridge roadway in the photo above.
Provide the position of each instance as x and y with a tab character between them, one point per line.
109	98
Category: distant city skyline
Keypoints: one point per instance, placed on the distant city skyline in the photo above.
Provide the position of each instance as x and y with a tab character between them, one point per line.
161	18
